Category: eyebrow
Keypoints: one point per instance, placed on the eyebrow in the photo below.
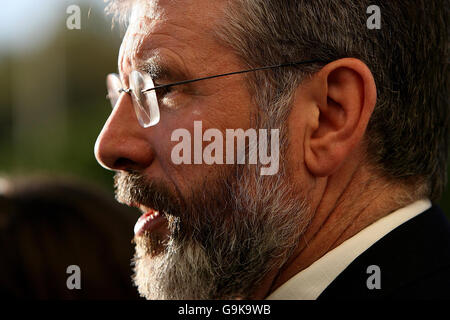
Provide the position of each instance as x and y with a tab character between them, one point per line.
160	69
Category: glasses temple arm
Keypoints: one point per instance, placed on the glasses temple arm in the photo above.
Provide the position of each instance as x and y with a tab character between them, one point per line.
291	64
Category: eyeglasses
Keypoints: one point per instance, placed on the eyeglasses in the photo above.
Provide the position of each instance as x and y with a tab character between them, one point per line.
143	90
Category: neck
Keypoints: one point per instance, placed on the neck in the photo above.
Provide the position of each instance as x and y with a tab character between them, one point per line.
348	202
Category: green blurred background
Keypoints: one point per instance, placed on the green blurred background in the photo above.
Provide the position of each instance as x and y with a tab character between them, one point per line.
52	88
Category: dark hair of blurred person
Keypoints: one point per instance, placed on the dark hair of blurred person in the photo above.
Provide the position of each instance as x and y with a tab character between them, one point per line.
49	224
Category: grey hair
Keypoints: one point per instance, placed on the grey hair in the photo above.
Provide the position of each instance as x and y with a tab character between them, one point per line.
120	10
407	136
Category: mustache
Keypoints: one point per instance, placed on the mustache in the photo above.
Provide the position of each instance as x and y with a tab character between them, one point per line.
132	188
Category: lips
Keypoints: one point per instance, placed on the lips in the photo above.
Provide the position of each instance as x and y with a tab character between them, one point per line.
150	221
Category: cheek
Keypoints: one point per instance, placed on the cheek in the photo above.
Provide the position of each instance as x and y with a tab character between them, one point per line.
214	112
184	176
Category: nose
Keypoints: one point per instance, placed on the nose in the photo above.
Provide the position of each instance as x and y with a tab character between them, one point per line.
123	144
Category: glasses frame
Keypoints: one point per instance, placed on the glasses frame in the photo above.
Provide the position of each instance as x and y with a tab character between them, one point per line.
163	86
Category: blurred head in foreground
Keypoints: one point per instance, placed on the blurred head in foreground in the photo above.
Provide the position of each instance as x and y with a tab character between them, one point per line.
49	224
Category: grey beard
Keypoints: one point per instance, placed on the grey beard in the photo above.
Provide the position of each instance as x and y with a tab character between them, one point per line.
226	241
225	237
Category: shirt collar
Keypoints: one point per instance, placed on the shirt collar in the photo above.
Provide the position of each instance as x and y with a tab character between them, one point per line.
309	283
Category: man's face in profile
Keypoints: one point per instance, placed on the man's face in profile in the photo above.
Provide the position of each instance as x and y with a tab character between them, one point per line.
208	231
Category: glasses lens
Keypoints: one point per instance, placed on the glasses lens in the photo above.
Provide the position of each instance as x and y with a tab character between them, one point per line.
113	86
145	103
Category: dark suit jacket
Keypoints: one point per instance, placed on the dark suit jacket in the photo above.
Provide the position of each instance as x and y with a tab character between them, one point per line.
414	261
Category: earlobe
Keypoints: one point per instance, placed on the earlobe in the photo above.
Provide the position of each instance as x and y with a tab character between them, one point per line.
346	96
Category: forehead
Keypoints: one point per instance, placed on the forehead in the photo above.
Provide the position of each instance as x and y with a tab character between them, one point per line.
182	29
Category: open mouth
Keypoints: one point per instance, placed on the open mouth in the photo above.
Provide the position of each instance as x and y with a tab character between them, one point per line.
151	222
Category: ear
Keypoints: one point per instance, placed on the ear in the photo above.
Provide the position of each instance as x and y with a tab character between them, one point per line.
344	96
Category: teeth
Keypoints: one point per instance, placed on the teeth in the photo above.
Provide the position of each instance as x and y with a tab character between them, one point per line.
138	226
141	222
